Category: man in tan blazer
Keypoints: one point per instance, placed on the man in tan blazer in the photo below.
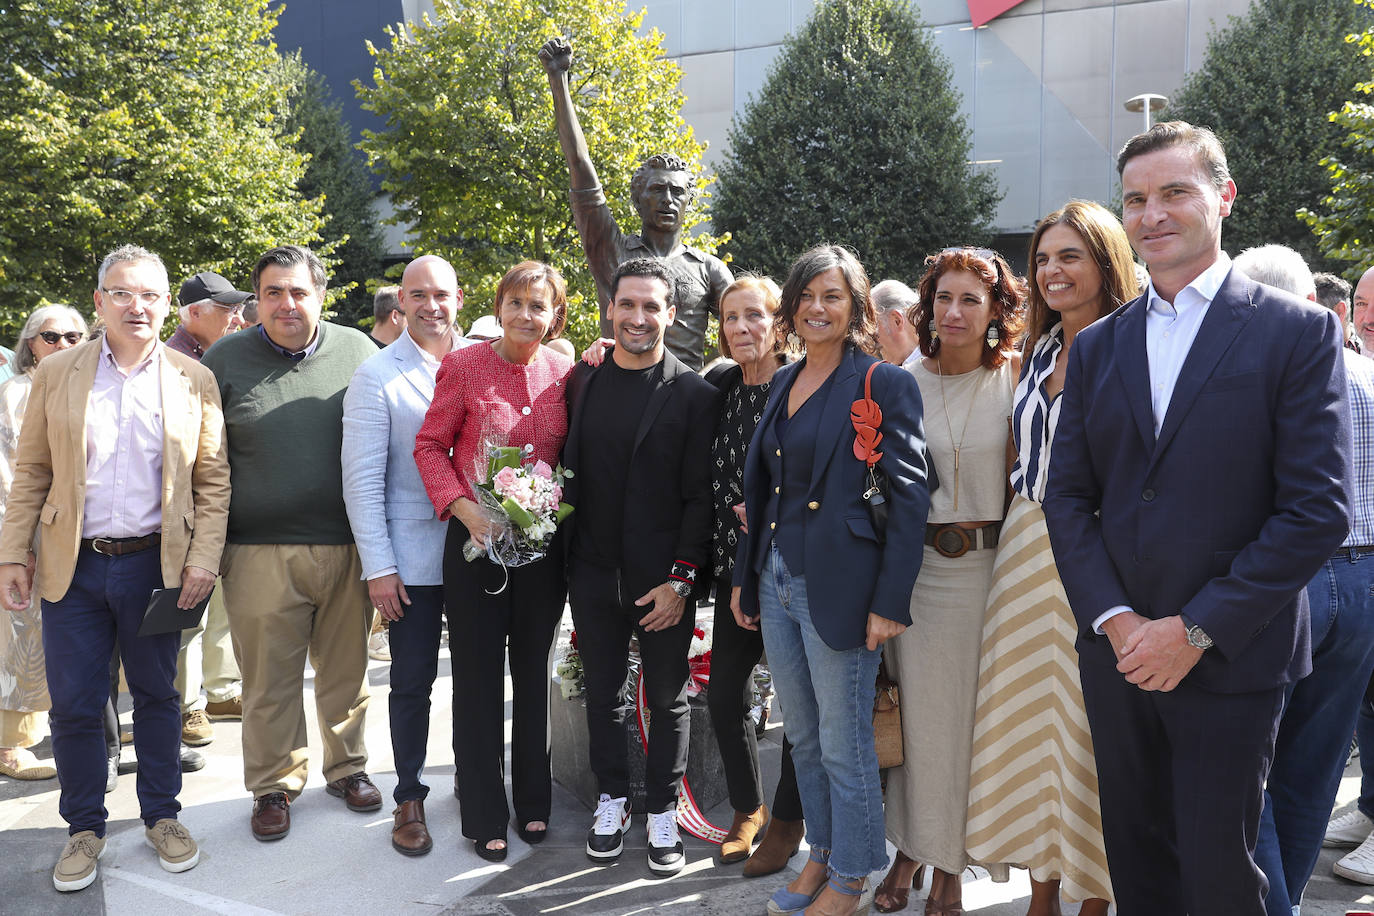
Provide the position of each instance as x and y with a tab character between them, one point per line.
121	472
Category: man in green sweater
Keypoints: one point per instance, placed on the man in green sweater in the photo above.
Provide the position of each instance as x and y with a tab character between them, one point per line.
292	581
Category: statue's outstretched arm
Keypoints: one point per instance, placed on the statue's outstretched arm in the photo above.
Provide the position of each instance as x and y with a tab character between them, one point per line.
556	56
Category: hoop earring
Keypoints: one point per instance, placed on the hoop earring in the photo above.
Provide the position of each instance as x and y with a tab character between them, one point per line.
934	334
994	336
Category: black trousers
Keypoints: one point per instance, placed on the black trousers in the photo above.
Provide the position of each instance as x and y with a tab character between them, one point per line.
734	653
485	629
605	615
1181	780
414	668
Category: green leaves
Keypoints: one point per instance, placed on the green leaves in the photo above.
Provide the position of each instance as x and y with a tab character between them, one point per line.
470	152
855	138
1266	87
152	122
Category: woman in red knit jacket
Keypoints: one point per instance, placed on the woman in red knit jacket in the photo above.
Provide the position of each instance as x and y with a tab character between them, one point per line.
507	391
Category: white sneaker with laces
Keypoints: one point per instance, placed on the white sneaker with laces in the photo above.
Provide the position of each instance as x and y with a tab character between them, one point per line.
606	839
1358	866
379	646
1349	829
665	846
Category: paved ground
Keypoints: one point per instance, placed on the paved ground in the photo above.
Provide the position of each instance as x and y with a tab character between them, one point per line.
338	862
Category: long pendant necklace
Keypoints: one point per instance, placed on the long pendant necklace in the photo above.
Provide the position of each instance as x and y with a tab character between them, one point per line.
958	446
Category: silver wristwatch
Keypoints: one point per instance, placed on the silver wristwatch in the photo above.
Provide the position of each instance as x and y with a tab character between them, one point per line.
684	589
1197	637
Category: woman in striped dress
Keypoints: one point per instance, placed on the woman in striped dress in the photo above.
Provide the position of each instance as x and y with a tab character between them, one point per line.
1033	791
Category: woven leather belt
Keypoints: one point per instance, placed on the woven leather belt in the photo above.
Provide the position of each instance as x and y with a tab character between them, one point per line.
118	547
1354	553
953	541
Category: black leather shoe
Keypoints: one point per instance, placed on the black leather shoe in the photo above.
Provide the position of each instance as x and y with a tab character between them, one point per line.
191	760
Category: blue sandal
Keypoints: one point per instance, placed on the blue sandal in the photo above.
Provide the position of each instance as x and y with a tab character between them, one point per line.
785	902
863	892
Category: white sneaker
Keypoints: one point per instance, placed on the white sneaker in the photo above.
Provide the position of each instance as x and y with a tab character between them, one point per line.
379	646
1349	829
607	837
1358	866
665	846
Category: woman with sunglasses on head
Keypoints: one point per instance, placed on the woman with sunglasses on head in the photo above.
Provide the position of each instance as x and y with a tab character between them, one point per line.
826	587
967	320
23	688
1033	801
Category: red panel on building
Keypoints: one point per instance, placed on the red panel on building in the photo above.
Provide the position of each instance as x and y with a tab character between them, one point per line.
984	11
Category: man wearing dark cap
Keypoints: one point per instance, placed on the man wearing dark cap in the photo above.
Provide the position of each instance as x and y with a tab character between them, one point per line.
210	307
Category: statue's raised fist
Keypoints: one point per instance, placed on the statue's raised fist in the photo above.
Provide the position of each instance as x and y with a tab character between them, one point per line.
556	56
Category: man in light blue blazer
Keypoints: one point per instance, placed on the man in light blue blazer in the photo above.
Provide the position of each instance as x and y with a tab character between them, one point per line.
400	541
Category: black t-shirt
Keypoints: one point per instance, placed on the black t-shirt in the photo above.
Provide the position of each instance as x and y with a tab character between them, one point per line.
616	399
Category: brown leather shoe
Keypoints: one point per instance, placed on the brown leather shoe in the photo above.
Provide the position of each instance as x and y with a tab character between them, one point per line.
357	791
780	842
740	838
409	836
271	816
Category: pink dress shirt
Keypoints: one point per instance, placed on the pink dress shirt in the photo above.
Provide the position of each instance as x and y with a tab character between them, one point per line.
124	449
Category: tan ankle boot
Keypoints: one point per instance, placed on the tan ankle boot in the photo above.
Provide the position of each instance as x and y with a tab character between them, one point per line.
780	842
740	838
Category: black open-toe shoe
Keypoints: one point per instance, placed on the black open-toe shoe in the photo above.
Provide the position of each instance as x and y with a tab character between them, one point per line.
491	855
532	837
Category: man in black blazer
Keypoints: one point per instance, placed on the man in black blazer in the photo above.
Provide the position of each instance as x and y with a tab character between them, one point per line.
1196	486
639	442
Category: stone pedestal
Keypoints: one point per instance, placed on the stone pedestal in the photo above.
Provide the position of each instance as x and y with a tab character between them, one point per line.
572	769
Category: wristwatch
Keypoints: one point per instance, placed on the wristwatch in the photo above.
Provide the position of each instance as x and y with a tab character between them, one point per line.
684	589
1197	637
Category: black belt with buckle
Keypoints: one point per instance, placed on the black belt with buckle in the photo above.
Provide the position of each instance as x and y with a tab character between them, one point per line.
1354	553
118	547
953	541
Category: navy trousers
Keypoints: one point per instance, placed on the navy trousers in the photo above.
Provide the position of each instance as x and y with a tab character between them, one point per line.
103	609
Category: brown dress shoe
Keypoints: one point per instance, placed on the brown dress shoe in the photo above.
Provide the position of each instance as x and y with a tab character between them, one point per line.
780	842
271	816
409	836
357	791
740	838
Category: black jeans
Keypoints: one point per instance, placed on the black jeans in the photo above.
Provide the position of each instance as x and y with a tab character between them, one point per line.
521	620
734	653
605	615
414	666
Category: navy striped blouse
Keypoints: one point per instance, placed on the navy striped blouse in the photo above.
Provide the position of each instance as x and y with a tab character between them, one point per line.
1034	416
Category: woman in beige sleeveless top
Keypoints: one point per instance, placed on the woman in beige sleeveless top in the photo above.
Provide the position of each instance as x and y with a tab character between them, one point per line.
967	320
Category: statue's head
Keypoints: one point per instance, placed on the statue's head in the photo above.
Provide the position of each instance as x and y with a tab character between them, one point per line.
661	190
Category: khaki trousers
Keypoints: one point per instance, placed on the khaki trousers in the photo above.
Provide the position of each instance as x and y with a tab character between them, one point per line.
21	729
285	600
207	658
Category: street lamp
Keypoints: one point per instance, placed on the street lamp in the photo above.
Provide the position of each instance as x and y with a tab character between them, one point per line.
1146	102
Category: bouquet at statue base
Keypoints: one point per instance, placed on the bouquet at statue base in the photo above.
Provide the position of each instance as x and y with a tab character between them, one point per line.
523	500
699	662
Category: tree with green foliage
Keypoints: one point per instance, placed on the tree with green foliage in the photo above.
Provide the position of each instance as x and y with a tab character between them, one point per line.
855	138
470	152
1266	86
1344	222
148	121
337	175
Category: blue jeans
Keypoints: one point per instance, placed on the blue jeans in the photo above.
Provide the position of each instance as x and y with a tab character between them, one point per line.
1314	733
103	608
414	666
827	700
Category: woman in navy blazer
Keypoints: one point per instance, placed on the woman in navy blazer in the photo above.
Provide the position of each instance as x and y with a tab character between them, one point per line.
826	587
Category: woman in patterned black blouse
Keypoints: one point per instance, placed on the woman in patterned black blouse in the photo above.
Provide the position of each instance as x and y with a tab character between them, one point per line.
747	336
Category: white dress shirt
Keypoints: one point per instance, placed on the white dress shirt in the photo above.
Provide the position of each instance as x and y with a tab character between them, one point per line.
1170	329
124	448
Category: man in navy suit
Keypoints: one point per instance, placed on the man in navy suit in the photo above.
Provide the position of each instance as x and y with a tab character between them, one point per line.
1197	485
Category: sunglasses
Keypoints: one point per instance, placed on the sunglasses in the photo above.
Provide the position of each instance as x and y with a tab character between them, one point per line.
52	337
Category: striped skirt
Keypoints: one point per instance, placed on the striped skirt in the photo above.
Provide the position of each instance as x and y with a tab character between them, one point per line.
1032	800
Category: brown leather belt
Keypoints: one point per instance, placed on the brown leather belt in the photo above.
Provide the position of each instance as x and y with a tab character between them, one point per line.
953	541
118	547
